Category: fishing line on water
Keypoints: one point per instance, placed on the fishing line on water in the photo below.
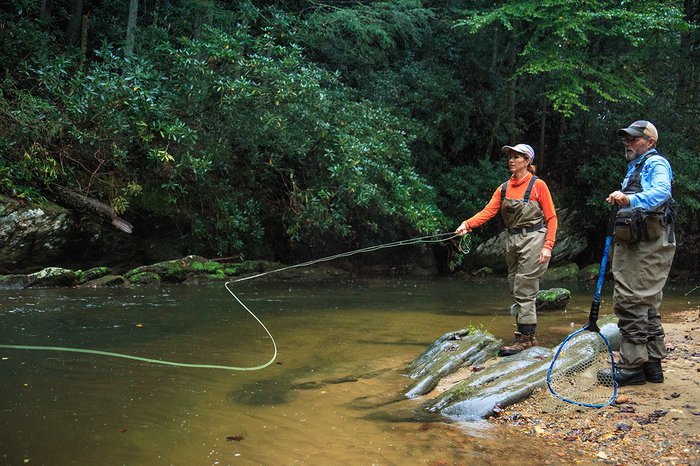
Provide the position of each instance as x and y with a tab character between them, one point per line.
464	247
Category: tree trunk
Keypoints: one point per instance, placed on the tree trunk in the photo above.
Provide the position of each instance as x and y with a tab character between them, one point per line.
506	100
688	77
131	27
84	36
494	71
543	123
44	14
73	27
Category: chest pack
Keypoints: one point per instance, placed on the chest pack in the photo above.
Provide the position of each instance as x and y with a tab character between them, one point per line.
633	225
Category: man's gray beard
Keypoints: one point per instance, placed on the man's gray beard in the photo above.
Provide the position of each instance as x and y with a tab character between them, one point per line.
631	156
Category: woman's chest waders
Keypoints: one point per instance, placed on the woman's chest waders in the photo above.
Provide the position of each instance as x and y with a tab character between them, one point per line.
526	234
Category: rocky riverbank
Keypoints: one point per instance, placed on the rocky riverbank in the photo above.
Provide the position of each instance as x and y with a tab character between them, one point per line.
648	425
188	270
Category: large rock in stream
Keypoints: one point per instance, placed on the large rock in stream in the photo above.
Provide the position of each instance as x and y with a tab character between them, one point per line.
500	383
448	353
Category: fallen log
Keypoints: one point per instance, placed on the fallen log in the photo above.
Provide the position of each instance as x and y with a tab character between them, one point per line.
82	202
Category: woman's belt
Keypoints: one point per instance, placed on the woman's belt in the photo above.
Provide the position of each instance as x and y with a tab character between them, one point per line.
524	230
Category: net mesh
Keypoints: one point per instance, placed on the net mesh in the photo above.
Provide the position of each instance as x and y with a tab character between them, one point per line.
582	373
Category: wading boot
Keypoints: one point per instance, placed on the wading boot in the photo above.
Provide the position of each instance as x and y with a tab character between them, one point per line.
623	376
524	338
652	371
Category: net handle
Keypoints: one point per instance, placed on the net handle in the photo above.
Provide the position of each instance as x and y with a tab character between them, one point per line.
595	305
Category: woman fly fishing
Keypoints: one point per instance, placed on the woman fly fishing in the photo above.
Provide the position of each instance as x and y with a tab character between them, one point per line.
527	208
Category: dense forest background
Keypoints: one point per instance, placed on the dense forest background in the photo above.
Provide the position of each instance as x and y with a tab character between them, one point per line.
289	130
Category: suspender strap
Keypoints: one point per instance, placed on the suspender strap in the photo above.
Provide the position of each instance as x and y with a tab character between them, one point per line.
634	179
526	198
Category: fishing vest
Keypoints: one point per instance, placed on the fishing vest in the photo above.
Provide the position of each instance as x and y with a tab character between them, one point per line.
634	182
632	225
521	215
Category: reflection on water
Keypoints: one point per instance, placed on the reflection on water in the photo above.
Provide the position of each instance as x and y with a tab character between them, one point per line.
334	395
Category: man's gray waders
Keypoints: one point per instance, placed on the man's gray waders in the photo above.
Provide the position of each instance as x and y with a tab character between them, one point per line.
640	270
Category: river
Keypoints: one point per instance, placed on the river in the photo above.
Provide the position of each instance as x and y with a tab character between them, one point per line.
332	396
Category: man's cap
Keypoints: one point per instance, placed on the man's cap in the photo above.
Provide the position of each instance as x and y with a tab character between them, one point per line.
521	149
638	129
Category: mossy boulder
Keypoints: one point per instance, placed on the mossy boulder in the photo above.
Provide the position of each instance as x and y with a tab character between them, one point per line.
449	353
93	274
108	281
144	278
553	298
490	383
195	269
174	271
53	277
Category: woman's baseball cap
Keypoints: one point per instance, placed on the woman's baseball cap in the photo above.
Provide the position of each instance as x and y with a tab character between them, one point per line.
521	149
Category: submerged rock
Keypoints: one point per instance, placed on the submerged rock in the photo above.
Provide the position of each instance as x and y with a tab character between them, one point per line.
508	381
503	381
450	352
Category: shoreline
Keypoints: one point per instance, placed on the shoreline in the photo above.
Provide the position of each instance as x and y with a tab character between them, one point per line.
647	424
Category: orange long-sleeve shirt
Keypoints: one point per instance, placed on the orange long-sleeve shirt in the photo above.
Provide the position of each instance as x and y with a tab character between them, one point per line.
516	190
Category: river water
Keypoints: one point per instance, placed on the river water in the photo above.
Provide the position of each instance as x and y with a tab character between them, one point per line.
334	395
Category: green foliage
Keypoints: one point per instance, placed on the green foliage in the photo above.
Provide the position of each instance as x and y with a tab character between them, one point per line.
469	187
575	46
258	131
431	98
328	164
232	131
686	188
365	36
595	181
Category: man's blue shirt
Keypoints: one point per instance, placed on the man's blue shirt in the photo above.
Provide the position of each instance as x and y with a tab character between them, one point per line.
656	177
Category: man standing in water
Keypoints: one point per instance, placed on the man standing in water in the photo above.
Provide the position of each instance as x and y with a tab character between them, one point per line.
642	258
